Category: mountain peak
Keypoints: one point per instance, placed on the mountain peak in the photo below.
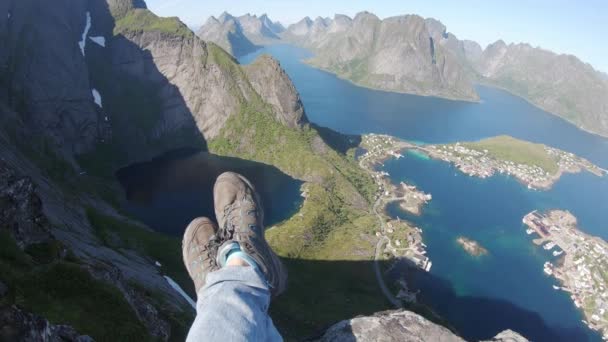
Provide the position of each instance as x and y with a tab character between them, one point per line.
118	8
225	16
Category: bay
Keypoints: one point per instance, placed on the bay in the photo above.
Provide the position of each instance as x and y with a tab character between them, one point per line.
507	288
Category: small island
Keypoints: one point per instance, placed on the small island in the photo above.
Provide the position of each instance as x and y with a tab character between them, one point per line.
535	165
581	263
471	246
378	149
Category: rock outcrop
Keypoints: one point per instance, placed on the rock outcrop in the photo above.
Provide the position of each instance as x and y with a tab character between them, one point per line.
53	101
274	86
17	325
28	223
227	32
402	326
403	54
560	84
240	35
21	209
110	83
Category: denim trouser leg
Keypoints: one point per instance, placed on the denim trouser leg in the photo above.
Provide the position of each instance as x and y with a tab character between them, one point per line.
233	306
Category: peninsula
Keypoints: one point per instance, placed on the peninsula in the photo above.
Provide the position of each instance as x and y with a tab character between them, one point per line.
403	240
582	264
535	165
471	246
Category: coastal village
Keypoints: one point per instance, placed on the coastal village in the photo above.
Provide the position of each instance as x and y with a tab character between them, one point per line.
404	240
579	260
481	163
580	263
399	239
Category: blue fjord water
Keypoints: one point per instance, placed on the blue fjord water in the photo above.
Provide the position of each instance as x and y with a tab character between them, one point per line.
507	288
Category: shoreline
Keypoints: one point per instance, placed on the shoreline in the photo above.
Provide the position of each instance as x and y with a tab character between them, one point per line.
578	263
479	100
471	247
399	240
481	164
455	99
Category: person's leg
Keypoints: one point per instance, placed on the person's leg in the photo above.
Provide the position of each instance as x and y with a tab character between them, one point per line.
233	306
232	281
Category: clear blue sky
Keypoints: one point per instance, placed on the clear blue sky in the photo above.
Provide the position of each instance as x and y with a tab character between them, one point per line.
564	26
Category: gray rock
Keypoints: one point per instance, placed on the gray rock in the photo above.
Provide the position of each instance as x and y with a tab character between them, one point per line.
260	30
404	54
560	84
508	336
239	35
21	209
301	28
227	32
274	86
17	325
402	326
148	315
54	100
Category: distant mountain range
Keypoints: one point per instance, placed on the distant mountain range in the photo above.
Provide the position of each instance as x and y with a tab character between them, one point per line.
414	55
240	35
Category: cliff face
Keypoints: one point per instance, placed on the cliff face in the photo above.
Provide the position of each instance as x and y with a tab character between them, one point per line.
87	87
54	102
403	54
226	31
419	56
274	86
560	84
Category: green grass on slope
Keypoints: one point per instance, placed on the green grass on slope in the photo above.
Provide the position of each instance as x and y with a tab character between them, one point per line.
142	20
117	234
64	293
518	151
329	243
165	249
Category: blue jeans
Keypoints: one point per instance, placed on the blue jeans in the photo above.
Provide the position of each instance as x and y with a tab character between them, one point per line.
233	306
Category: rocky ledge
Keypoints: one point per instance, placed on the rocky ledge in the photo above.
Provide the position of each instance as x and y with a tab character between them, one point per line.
403	326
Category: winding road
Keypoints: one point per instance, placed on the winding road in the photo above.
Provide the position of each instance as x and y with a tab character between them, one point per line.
379	248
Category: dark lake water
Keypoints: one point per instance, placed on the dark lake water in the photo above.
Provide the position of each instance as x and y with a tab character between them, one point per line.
167	193
507	288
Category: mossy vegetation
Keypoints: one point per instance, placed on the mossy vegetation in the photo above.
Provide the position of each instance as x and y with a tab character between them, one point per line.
119	234
143	20
328	245
64	293
507	148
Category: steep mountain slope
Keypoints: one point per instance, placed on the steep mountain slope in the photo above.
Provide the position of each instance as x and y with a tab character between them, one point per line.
260	29
144	85
560	84
414	55
403	54
121	85
227	32
239	35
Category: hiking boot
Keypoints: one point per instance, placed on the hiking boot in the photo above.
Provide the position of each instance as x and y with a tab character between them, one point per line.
240	216
199	249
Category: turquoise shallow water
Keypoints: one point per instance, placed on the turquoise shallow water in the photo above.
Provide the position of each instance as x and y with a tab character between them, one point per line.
507	288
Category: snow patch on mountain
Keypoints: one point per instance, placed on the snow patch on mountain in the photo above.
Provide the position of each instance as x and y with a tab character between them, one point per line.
101	41
83	42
